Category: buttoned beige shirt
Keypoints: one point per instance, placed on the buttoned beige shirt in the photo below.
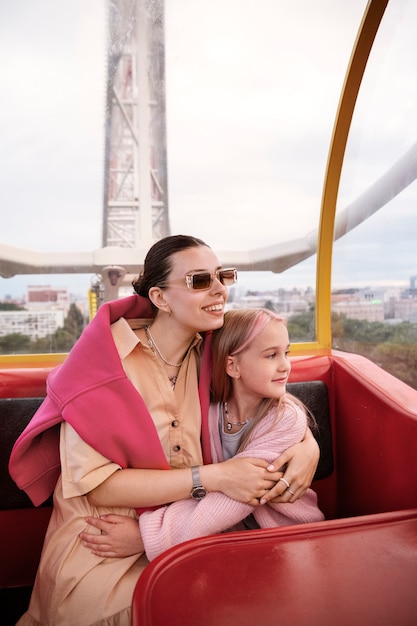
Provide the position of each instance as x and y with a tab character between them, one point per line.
176	412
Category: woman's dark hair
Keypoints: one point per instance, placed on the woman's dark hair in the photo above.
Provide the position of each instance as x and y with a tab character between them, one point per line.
157	264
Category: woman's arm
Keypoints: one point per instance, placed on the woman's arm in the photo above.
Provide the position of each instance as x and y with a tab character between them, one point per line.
243	479
216	512
187	519
120	536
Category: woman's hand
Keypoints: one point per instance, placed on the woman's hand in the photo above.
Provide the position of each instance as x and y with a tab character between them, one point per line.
245	479
298	465
120	536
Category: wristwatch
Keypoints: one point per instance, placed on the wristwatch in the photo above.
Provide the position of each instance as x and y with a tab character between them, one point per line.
198	491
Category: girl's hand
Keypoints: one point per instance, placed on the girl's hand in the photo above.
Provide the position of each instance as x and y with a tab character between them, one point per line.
119	536
298	465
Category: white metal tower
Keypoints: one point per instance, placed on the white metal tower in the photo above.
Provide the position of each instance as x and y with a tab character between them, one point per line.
135	183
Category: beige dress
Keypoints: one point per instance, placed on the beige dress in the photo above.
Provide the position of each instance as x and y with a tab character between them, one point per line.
74	587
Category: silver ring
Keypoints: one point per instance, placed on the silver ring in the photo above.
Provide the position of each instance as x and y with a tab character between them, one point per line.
289	491
285	482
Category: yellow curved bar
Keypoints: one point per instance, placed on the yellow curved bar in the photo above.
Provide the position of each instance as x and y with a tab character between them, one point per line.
18	361
356	68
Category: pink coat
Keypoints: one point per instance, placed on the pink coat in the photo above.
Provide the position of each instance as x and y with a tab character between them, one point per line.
91	391
187	519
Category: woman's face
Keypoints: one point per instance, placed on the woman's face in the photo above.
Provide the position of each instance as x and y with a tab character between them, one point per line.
196	309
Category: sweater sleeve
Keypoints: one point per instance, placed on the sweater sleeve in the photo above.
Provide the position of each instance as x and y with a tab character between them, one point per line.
188	519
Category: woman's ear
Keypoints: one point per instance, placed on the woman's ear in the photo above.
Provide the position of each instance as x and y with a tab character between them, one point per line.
157	297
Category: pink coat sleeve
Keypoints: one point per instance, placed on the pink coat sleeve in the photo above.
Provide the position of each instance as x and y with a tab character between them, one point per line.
188	519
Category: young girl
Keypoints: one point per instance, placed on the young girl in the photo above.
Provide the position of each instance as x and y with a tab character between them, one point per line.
252	416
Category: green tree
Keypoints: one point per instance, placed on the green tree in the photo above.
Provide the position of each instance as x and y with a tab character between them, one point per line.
391	346
269	305
301	328
65	337
11	306
61	341
15	343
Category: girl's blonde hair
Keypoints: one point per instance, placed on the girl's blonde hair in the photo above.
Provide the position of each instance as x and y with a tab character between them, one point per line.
240	328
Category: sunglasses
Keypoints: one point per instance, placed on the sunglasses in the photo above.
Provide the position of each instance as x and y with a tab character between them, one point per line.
204	280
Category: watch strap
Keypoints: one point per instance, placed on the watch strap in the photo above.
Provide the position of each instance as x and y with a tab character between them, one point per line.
195	472
198	491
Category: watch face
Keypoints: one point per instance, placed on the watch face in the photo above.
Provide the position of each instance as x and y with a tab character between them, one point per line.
198	493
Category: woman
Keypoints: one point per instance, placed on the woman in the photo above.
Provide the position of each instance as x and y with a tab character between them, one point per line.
129	403
252	415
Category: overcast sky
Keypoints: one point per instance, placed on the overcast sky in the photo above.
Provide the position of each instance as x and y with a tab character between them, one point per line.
252	92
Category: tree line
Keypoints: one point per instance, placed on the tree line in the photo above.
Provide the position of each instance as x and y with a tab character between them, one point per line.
391	346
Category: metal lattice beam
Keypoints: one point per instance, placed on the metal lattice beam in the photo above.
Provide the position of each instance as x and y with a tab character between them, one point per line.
135	209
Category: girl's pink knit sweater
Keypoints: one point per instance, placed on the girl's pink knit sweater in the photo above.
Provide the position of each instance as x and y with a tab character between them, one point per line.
187	519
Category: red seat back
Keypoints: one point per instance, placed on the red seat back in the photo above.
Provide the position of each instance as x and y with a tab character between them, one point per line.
360	571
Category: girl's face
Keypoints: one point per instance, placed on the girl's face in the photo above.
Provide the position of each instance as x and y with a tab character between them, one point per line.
195	309
262	370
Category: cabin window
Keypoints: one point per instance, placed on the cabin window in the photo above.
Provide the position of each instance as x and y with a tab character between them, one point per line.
374	284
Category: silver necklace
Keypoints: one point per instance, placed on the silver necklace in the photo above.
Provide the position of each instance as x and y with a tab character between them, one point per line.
155	348
229	424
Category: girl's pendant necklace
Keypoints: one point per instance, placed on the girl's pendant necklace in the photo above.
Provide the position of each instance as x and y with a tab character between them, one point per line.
229	424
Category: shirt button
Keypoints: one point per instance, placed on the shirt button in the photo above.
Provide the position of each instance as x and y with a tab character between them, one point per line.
175	424
177	448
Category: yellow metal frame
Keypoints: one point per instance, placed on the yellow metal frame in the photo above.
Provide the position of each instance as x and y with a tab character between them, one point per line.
20	361
356	68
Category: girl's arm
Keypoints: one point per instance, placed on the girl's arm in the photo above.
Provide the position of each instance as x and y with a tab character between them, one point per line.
300	464
183	520
119	536
187	519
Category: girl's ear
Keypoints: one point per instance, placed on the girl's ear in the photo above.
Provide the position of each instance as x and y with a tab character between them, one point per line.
157	297
232	368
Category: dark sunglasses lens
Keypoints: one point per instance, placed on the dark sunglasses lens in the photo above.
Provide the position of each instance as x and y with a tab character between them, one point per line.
227	277
201	281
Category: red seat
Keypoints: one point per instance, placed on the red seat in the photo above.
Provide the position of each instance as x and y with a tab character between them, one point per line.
360	571
22	532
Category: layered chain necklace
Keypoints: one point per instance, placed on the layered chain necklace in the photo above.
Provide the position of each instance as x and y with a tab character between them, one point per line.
153	346
229	424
